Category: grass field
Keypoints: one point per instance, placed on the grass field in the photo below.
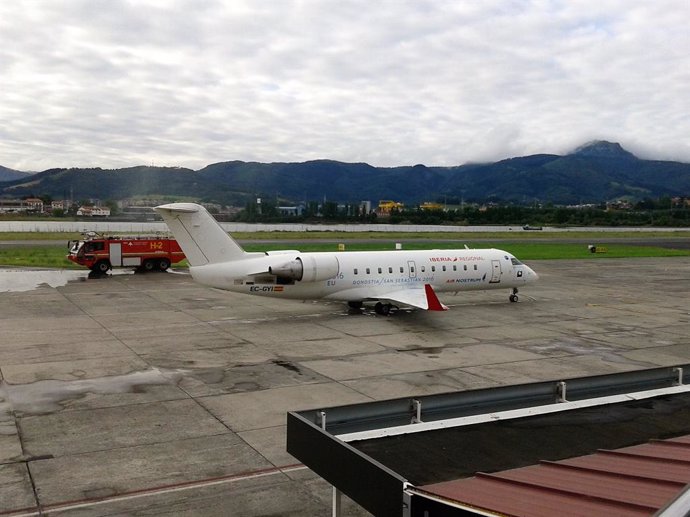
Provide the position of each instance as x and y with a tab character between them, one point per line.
523	250
39	236
54	256
37	256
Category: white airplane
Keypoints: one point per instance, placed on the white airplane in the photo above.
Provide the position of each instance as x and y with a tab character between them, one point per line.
387	277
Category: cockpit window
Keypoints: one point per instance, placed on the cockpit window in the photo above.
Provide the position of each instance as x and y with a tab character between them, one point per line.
515	261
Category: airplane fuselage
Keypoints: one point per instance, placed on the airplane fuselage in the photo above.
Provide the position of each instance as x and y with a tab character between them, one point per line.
410	278
353	276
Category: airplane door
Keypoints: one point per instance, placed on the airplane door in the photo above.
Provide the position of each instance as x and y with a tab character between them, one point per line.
116	254
495	272
412	268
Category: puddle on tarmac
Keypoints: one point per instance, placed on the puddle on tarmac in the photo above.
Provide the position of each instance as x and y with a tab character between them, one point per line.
28	280
46	396
19	280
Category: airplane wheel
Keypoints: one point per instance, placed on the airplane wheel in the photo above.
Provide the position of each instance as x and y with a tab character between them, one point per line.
513	298
384	309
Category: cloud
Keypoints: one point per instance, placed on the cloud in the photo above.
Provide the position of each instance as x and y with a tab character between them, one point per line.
117	83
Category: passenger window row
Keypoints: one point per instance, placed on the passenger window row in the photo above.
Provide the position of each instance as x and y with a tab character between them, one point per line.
412	269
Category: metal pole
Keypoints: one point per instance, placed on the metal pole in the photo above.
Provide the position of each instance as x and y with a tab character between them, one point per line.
337	500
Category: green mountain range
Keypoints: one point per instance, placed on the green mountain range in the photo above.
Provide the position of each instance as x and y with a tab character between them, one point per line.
596	172
11	174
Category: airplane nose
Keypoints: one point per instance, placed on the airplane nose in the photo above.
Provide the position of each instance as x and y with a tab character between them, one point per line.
531	274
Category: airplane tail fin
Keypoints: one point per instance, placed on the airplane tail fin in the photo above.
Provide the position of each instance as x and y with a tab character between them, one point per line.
199	235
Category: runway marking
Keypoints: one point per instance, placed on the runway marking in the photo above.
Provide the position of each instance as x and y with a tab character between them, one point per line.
146	492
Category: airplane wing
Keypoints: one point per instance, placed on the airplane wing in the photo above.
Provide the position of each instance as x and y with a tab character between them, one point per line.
422	298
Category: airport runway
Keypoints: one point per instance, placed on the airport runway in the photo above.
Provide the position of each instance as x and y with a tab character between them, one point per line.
146	394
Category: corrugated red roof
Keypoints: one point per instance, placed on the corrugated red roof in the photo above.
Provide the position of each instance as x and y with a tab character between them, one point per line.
632	481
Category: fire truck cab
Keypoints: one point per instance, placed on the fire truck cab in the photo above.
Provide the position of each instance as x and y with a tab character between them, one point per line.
101	253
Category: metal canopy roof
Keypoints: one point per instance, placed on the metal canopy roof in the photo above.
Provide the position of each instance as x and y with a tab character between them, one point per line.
505	444
637	480
540	441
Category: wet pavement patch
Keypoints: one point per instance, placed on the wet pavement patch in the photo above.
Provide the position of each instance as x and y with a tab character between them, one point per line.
48	396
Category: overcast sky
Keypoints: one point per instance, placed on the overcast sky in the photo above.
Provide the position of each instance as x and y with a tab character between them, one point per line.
116	83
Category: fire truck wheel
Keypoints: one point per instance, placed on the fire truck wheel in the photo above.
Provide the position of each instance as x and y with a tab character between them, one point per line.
102	266
149	265
163	264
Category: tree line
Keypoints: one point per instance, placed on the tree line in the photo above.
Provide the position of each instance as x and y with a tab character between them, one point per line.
647	212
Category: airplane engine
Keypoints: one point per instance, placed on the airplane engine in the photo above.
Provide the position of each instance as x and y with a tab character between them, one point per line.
292	270
308	268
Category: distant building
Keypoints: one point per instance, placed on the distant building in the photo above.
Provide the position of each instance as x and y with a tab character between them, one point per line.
618	205
60	205
291	210
583	206
34	204
8	206
386	206
365	207
93	211
428	205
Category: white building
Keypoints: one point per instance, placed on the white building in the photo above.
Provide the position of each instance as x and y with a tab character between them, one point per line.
93	211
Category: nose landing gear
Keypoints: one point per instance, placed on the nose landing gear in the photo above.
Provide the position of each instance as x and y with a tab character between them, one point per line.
513	295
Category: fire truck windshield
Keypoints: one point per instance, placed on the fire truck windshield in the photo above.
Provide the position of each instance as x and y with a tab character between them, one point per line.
91	246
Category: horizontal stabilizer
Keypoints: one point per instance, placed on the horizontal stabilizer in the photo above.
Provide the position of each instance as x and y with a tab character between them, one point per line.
184	208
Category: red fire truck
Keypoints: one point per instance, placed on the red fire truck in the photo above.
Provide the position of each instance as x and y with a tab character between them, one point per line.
101	253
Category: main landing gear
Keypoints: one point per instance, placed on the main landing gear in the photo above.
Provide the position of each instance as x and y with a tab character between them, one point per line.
513	295
384	309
